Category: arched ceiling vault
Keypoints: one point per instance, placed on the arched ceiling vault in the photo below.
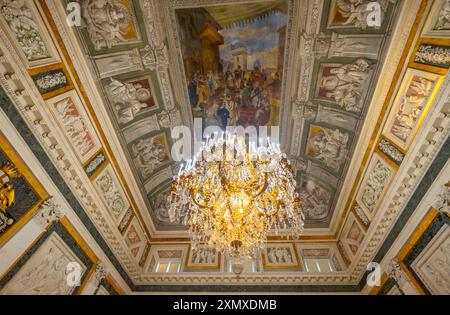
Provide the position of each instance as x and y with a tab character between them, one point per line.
352	102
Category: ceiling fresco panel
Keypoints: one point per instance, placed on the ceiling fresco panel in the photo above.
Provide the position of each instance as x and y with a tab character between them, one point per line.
111	25
233	58
228	64
346	60
311	66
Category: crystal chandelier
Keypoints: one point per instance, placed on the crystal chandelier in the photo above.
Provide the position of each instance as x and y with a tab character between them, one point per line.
231	197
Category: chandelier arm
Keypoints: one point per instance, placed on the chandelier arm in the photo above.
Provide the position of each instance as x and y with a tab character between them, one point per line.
260	190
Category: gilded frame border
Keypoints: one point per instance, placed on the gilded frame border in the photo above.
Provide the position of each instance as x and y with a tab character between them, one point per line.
9	151
200	268
62	226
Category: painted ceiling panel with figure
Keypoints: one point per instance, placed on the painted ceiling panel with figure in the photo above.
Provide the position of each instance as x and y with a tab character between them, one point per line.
347	57
362	111
236	64
233	59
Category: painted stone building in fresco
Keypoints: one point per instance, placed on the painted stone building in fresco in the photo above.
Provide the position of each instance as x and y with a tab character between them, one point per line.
233	57
200	41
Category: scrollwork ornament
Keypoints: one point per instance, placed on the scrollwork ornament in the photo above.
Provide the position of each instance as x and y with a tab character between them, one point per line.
49	212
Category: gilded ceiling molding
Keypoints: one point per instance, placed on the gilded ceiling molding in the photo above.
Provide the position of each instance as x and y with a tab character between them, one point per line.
398	50
433	134
32	109
396	272
80	71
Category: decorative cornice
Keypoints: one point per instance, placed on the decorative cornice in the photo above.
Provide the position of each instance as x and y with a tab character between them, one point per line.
434	133
42	126
298	278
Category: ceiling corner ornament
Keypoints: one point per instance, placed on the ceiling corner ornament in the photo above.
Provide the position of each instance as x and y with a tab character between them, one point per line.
232	197
395	271
107	22
8	171
48	212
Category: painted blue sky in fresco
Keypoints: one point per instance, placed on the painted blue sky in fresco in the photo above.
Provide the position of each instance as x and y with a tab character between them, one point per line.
257	36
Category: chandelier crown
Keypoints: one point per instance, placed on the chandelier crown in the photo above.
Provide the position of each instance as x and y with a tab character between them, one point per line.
233	193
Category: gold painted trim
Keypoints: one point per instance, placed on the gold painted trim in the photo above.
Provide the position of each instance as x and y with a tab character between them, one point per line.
114	285
411	277
100	169
389	98
383	137
386	158
412	240
423	115
109	153
429	68
15	262
76	237
343	253
49	95
125	228
144	256
80	242
376	290
29	178
360	221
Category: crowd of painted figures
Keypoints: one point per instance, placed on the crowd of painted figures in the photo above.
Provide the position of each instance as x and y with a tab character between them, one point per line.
238	97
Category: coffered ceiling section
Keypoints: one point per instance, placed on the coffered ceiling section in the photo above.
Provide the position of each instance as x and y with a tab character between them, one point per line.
308	66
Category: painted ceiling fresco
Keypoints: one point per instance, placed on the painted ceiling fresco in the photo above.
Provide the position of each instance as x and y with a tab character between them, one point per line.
348	57
235	61
102	99
233	58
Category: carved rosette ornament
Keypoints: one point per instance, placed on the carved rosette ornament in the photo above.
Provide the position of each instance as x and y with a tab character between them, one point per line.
48	212
7	194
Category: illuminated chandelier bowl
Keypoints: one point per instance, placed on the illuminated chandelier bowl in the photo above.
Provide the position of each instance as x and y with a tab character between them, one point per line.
232	197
